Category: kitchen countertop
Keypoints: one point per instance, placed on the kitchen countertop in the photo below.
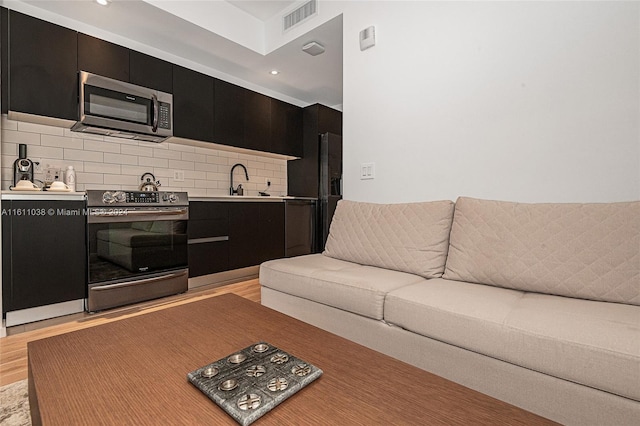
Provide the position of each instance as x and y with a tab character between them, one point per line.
43	195
79	196
247	198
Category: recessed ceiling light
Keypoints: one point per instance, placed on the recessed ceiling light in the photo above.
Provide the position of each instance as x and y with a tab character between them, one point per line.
275	72
103	2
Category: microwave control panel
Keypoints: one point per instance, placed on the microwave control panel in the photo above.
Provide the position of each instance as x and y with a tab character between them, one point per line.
164	115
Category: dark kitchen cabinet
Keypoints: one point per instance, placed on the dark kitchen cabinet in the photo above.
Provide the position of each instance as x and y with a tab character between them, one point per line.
300	227
208	232
147	71
256	233
192	104
286	128
103	58
247	119
228	114
42	76
257	121
43	253
303	175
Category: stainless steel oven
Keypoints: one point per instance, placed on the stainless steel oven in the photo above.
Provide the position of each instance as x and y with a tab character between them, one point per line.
137	246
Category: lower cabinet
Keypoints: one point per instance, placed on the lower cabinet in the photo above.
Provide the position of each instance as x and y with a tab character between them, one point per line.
256	233
208	232
236	234
43	253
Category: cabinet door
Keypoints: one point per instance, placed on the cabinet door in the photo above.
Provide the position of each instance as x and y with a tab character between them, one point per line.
244	229
228	113
42	68
257	121
192	104
44	255
103	58
147	71
286	128
256	233
271	235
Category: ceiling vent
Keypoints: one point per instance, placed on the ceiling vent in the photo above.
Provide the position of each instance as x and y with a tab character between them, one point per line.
305	11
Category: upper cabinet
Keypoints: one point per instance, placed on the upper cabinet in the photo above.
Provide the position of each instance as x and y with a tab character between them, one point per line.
40	64
42	76
228	117
286	128
247	119
103	58
192	104
147	71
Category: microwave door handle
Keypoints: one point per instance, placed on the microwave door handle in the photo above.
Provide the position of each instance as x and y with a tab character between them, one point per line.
156	111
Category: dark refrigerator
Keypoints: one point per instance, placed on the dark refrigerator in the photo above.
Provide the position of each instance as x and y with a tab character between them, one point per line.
330	183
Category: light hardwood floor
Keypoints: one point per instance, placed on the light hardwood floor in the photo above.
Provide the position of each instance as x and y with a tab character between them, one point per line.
13	348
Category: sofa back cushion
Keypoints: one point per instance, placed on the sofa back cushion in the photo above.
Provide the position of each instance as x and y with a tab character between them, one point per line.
411	237
588	251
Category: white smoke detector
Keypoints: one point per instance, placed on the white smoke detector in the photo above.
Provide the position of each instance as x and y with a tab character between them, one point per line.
313	48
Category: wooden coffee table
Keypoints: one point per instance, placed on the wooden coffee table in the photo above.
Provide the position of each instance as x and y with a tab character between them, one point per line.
134	371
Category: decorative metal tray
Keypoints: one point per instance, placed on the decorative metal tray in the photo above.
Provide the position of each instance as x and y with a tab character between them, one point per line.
249	383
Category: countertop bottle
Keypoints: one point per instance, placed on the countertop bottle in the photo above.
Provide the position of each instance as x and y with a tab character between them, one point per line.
70	178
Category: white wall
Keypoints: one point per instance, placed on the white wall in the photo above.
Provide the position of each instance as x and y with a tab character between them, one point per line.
521	101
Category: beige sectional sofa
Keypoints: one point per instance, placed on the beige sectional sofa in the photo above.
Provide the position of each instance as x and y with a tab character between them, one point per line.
534	304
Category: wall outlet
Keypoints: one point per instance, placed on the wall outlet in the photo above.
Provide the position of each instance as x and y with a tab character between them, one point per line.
367	171
267	181
178	175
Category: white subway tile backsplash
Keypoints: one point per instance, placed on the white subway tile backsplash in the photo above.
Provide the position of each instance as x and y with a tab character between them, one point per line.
43	152
153	162
103	146
168	154
14	136
86	178
131	160
136	150
112	163
40	128
113	169
181	165
82	155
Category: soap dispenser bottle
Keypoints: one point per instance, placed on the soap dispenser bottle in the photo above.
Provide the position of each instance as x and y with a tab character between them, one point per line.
70	178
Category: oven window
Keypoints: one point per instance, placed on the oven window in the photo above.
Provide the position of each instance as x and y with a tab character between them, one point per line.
125	250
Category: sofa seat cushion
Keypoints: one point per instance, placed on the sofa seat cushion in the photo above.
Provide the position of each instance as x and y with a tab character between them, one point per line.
344	285
408	237
596	344
590	251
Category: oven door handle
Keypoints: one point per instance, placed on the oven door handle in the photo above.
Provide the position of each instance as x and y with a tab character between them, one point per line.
134	283
131	212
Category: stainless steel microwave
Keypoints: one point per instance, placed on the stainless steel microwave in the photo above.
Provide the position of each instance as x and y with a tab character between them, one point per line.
114	108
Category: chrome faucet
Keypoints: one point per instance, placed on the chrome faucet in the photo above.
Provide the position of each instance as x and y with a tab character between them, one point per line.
238	190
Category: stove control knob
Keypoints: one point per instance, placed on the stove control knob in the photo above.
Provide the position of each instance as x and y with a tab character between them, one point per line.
107	198
173	198
120	196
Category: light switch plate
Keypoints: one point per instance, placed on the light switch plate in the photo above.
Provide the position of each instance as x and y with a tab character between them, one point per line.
367	171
